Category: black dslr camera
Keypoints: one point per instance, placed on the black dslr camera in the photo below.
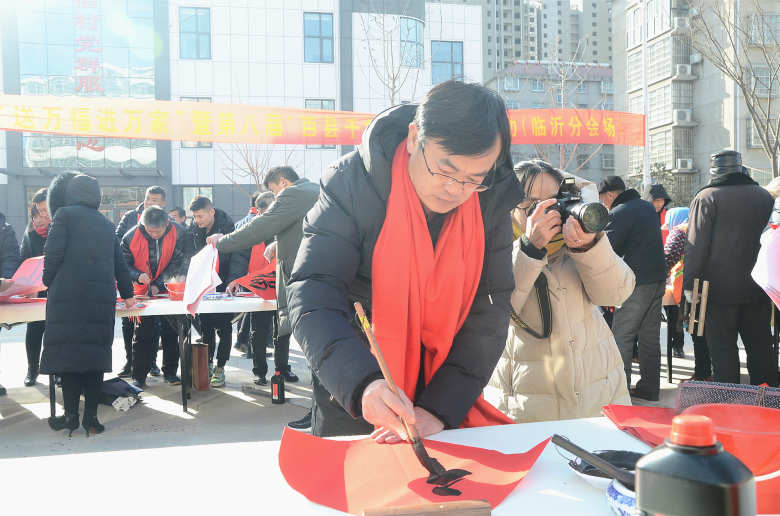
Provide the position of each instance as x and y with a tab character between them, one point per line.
592	216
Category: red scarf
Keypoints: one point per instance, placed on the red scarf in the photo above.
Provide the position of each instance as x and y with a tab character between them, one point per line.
414	296
43	231
139	247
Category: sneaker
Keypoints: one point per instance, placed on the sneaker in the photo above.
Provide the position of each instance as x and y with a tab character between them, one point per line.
127	371
261	380
301	424
289	376
155	371
173	380
218	378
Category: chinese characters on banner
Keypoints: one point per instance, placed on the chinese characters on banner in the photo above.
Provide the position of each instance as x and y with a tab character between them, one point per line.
87	58
232	123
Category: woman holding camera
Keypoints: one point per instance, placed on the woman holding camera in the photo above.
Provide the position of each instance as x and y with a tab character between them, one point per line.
561	360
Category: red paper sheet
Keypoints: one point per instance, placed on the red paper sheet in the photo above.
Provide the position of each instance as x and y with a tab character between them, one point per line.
750	433
27	279
355	475
262	281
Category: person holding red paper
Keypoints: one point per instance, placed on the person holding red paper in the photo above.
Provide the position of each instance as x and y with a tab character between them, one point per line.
154	252
415	224
33	242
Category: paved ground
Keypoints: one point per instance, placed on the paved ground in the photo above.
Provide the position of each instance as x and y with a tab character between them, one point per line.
239	412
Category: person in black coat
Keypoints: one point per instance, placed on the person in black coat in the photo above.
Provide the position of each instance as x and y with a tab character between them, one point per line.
153	252
457	123
9	259
206	221
32	245
83	265
155	196
635	235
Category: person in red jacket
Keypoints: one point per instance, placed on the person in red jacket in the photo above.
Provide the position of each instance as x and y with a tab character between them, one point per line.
153	251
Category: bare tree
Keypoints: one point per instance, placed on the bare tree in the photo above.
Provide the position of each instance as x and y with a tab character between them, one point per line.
391	63
744	47
248	163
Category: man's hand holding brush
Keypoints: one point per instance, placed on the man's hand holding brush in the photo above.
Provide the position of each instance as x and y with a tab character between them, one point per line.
382	408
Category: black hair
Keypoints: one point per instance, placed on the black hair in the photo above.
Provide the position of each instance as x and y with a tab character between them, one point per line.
253	198
276	174
179	211
465	119
154	217
264	200
528	171
39	197
155	190
200	202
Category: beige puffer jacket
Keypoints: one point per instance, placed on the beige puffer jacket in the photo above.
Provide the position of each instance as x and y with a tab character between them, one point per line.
578	369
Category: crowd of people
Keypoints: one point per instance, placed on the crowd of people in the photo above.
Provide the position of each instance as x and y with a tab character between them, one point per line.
491	304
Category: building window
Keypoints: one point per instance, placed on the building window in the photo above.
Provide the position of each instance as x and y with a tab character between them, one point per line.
683	142
764	82
188	193
318	37
634	71
607	86
659	60
765	30
682	95
582	87
582	161
325	104
635	158
511	83
195	145
608	160
195	32
446	61
661	149
659	105
412	43
754	136
537	85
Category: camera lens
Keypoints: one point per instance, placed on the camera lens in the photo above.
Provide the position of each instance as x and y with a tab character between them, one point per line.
593	216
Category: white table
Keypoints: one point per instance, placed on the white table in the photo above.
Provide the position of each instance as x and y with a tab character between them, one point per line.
11	313
249	481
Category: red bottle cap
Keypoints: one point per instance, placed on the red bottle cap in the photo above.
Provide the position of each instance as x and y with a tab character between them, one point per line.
692	430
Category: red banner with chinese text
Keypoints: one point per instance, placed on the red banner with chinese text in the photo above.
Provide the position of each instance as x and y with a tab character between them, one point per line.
245	123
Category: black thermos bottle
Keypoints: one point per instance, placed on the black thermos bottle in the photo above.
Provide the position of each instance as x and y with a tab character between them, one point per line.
277	388
692	475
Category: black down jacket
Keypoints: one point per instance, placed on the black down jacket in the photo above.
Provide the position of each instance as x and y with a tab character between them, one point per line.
222	224
82	267
333	270
9	249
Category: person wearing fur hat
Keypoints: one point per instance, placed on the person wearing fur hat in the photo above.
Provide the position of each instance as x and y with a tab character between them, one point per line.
82	267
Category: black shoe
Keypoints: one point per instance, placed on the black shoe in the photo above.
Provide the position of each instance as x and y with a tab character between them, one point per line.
2	391
155	371
127	371
678	353
173	380
261	380
302	424
289	376
69	421
92	425
643	395
32	376
141	384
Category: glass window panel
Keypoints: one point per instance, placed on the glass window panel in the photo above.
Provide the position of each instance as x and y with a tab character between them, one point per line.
33	85
60	60
31	26
142	63
204	46
457	71
457	52
440	51
59	6
440	72
116	86
140	8
116	62
62	85
327	50
118	152
141	33
311	49
188	46
188	20
141	88
311	24
32	59
36	151
326	25
63	151
92	152
204	20
59	30
143	153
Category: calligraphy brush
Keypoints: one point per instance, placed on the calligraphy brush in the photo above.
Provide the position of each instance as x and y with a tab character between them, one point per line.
438	475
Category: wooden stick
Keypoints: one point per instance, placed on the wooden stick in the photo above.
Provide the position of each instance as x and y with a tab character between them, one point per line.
694	302
411	430
463	508
705	291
